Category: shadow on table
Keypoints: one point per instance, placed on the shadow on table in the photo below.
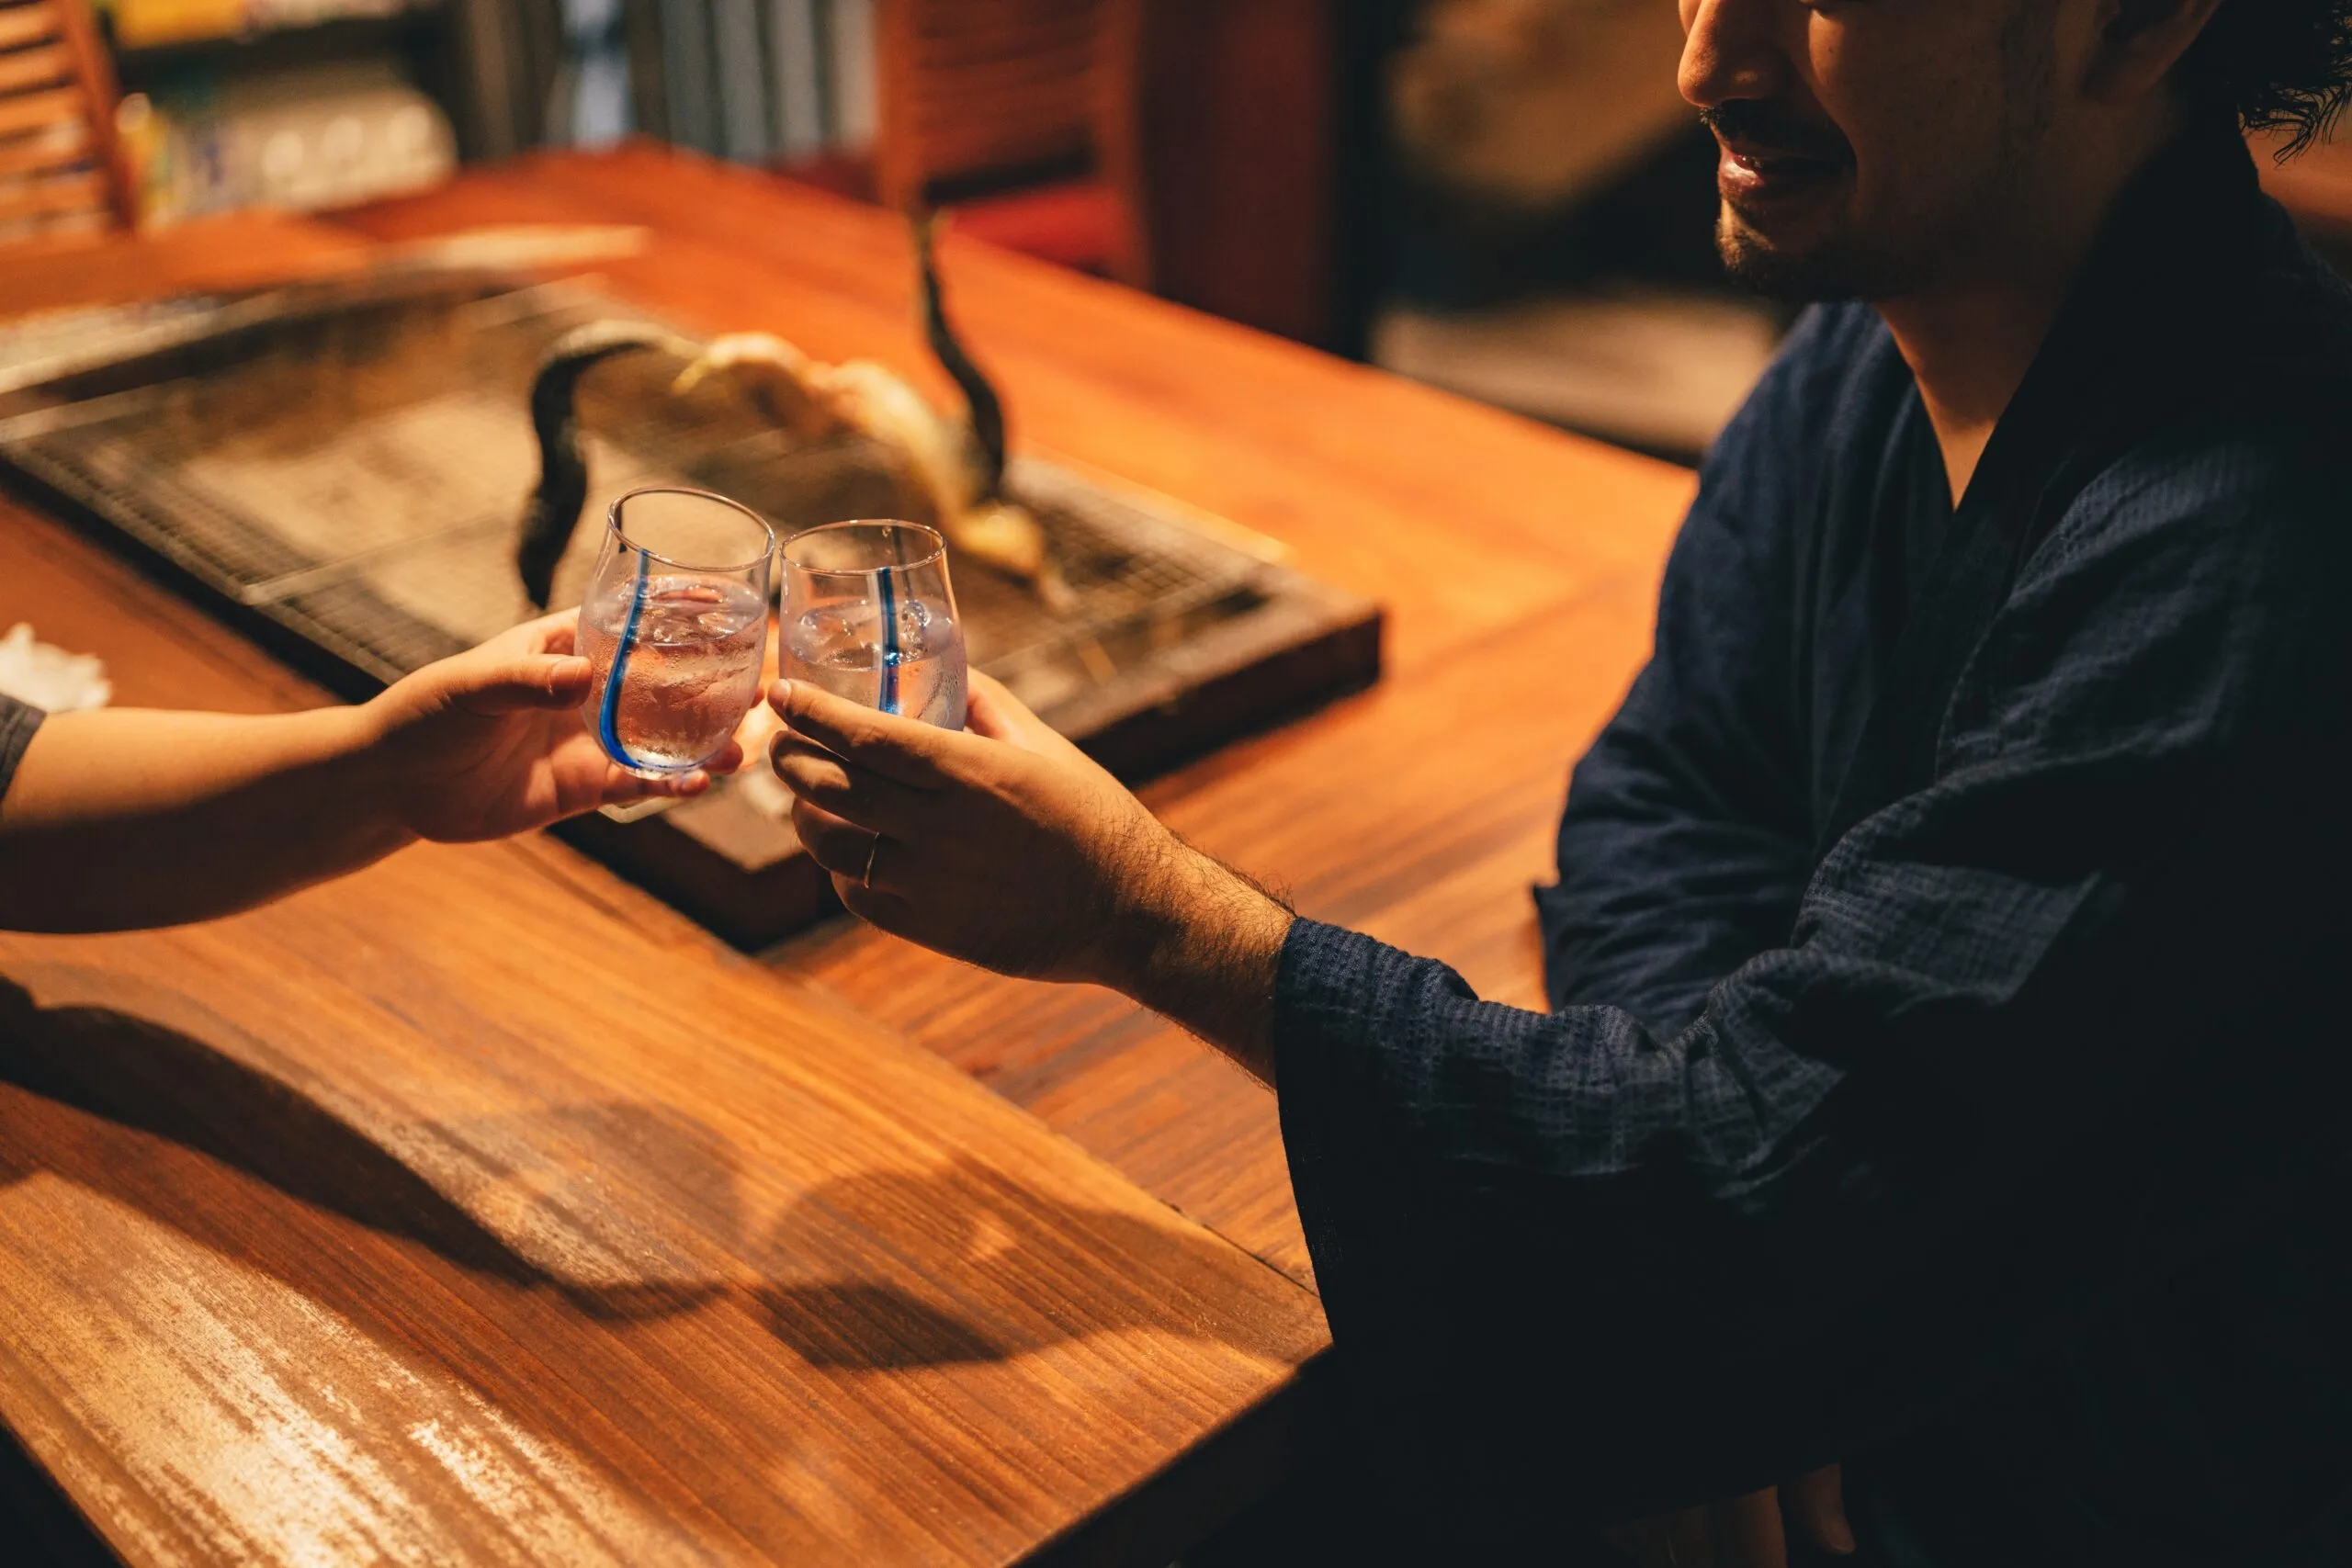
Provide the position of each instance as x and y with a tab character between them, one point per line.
879	1271
991	1243
148	1074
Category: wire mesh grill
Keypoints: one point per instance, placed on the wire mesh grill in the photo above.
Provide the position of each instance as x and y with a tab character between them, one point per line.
355	472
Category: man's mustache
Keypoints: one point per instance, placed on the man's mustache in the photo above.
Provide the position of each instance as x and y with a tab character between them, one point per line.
1770	128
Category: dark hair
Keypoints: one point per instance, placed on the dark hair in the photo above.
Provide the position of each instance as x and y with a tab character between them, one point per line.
2276	64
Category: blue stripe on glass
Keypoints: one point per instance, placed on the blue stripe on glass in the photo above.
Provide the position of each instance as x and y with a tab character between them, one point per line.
610	708
888	695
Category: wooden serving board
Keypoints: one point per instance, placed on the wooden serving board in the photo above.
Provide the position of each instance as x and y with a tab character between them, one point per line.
340	468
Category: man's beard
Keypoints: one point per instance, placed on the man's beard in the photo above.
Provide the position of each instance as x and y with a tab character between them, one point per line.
1826	271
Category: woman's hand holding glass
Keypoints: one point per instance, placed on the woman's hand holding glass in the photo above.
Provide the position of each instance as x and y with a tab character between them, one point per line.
490	742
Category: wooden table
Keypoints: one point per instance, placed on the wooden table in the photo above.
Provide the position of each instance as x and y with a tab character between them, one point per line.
478	1209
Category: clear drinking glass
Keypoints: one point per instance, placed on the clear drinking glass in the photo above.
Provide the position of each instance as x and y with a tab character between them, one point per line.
868	616
674	625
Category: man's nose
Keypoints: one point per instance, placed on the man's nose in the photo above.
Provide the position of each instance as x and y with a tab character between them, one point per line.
1731	50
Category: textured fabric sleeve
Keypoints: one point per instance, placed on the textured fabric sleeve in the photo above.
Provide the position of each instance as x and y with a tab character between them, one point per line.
17	722
2042	1030
1685	842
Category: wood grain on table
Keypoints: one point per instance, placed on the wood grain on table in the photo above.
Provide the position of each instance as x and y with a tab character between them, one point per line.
1518	566
474	1208
247	250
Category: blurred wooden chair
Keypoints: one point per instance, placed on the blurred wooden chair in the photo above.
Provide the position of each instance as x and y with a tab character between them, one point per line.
1024	117
60	167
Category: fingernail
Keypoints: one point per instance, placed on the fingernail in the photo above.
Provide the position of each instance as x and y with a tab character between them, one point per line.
1841	1535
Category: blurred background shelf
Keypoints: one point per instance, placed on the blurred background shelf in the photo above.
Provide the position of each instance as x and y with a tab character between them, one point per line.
1503	197
305	42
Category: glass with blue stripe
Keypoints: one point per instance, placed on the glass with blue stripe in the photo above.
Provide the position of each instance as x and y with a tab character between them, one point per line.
674	626
868	615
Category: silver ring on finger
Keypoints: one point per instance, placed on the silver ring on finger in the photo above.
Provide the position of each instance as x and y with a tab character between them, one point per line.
866	881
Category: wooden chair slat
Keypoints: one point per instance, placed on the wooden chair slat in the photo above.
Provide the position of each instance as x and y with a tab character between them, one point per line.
31	112
53	195
53	146
976	48
65	144
1000	148
39	67
21	25
1007	79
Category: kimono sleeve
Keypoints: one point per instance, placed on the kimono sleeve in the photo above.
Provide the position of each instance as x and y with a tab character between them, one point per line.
18	723
1686	840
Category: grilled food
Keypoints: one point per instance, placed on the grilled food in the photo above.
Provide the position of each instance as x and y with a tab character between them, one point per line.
959	466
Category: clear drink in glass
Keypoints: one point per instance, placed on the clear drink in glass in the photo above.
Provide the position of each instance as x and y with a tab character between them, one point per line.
673	626
868	615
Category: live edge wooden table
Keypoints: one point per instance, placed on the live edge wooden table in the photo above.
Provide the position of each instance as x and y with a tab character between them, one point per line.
478	1209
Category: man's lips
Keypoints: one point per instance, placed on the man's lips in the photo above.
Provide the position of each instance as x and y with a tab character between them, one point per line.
1749	171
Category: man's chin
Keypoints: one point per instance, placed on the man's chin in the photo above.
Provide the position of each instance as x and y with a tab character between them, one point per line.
1799	269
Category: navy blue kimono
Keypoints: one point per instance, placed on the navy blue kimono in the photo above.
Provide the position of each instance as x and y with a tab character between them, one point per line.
1947	1055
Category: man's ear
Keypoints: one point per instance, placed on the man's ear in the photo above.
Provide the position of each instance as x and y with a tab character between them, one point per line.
2140	42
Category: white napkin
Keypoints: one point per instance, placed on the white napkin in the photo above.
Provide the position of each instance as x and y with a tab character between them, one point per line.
48	677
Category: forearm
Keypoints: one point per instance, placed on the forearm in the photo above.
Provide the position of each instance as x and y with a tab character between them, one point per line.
123	818
1207	950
